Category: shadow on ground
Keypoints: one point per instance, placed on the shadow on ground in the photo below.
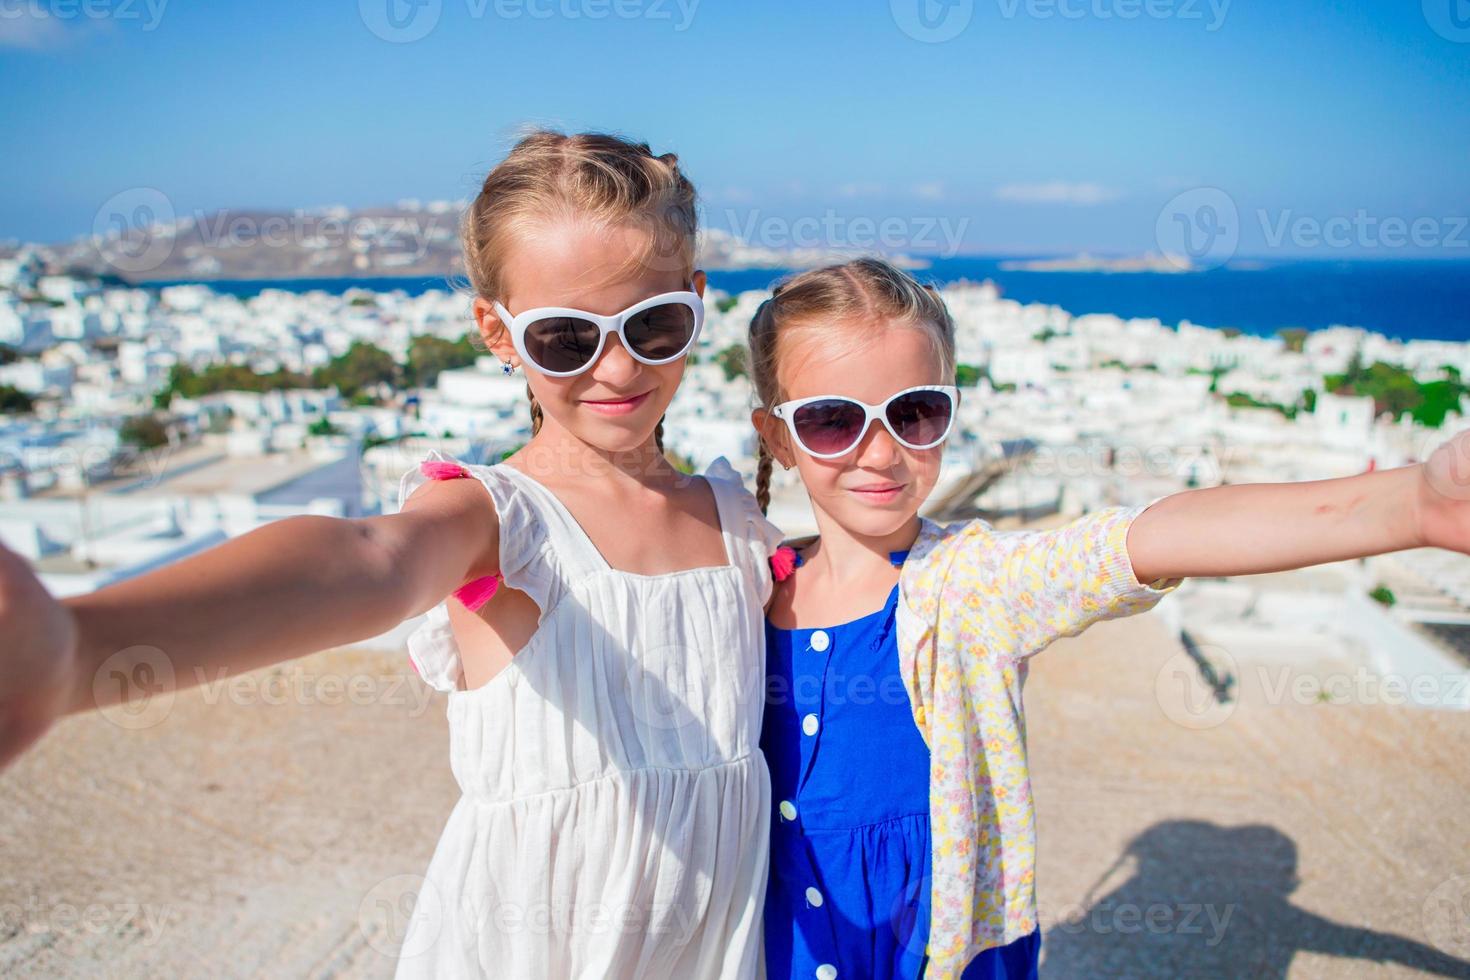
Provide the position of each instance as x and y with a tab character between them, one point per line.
1192	898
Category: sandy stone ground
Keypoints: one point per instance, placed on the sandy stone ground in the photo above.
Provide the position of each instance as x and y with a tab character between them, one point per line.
274	826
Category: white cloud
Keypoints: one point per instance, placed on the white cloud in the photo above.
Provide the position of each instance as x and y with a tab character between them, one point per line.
860	190
929	191
1058	192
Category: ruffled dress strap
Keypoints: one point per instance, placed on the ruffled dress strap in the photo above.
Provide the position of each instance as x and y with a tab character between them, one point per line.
524	562
750	537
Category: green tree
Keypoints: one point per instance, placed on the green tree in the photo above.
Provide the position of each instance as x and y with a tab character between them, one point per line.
726	303
143	431
1294	338
323	427
1395	391
1440	398
1241	399
429	355
732	360
13	401
363	366
967	375
214	378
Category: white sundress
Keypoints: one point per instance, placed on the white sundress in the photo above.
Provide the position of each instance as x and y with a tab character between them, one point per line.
615	810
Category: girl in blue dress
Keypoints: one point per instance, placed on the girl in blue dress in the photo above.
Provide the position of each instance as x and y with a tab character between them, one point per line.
850	843
851	871
903	833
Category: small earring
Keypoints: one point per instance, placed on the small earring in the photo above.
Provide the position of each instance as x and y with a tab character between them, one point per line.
506	368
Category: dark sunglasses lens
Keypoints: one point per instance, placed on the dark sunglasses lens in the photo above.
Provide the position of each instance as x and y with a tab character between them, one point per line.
660	332
561	343
921	417
830	426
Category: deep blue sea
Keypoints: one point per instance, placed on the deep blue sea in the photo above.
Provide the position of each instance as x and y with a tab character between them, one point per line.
1400	298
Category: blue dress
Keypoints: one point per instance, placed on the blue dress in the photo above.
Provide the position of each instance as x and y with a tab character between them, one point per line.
850	860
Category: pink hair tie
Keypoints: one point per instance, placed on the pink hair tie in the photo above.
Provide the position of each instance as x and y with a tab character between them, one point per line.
436	469
783	563
477	593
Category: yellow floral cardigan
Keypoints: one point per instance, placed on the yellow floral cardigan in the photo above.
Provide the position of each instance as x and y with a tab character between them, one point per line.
976	603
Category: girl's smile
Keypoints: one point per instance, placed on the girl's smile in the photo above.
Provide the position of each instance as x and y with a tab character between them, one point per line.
878	493
618	406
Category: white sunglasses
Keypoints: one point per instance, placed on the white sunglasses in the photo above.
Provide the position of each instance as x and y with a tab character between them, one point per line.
563	342
829	426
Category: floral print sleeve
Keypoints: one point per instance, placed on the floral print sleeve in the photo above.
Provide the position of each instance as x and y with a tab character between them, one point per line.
1058	582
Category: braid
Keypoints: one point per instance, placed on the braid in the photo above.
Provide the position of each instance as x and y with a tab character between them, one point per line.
535	411
763	478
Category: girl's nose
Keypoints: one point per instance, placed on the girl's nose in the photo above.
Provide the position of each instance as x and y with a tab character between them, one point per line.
877	448
615	366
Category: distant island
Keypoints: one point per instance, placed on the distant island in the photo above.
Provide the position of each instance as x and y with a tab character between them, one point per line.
404	241
1148	262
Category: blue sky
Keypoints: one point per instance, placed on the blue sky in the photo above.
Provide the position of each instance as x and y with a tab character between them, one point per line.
1040	126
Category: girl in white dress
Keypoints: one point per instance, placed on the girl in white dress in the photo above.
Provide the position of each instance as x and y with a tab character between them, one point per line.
603	644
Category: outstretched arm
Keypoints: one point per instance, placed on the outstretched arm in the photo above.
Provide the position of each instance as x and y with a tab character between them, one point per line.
285	590
1267	527
1042	585
1121	561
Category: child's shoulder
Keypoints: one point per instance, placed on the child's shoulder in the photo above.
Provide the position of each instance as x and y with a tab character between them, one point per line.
520	503
943	542
957	553
744	509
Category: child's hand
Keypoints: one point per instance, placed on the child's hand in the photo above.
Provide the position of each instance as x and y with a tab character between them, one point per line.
1444	500
38	639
